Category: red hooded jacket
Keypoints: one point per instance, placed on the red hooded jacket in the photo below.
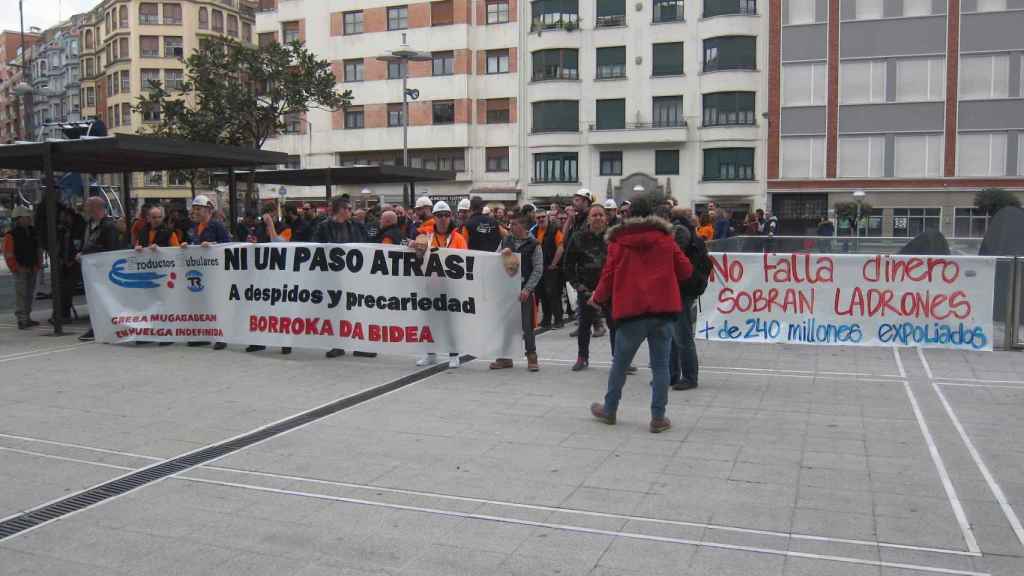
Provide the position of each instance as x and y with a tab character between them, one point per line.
644	269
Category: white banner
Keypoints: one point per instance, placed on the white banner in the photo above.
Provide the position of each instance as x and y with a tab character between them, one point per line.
850	299
364	297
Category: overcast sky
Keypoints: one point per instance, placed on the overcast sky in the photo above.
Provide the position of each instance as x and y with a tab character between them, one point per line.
41	13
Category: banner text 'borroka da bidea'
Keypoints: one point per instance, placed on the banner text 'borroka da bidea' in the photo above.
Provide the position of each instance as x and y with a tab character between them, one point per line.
841	299
351	296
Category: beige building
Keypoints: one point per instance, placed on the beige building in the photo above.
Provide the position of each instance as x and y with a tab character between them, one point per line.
128	43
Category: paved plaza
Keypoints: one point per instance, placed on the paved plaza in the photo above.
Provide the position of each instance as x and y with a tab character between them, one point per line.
786	461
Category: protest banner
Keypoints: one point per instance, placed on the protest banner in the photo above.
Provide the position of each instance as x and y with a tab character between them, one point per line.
364	297
850	299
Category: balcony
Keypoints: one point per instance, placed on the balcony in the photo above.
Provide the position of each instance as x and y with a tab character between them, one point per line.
638	133
611	21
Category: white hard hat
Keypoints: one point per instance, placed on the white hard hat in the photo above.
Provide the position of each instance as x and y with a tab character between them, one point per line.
441	206
464	204
202	200
586	194
610	204
20	211
424	202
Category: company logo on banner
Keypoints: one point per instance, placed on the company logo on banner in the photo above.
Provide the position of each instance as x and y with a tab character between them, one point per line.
850	299
353	296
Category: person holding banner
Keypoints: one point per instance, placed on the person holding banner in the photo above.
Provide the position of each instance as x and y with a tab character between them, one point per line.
641	280
101	235
205	232
442	235
531	266
155	233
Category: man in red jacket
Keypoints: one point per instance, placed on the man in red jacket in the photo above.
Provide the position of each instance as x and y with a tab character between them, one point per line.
641	279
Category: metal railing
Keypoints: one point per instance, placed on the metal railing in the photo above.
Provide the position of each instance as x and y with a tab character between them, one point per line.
638	126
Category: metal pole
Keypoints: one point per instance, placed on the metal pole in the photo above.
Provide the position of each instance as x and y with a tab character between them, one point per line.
857	231
233	202
405	126
1013	305
126	197
56	263
327	186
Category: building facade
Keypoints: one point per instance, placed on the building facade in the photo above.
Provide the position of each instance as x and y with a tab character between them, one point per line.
917	103
12	125
55	76
532	100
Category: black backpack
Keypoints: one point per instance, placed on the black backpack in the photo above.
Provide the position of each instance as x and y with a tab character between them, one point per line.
697	252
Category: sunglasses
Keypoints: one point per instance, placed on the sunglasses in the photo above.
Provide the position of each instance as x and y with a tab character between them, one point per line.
442	215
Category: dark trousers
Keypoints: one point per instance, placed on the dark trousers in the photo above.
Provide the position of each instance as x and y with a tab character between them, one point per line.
550	292
526	310
588	317
683	363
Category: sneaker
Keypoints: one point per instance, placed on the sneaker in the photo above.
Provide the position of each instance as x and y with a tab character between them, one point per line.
453	361
253	348
286	350
559	325
22	325
427	360
501	364
220	345
659	425
597	411
31	323
531	362
575	332
600	331
581	364
544	325
335	352
87	337
359	354
684	385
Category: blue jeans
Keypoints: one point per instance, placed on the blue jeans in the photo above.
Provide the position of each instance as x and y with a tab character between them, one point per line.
684	364
628	337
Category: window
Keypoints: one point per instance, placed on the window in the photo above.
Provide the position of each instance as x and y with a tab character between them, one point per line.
611	13
149	75
441	13
396	70
126	81
106	27
218	21
246	32
497	61
990	5
720	7
266	38
556	116
354	70
149	46
909	222
497	159
88	40
497	11
983	77
111	117
122	17
90	96
668	10
172	14
611	163
667	112
444	64
862	82
173	47
557	64
177	178
729	164
444	112
803	157
554	13
292	123
445	159
353	22
611	62
266	6
555	167
394	115
804	84
861	156
153	179
398	17
290	32
668	59
611	114
917	7
729	108
175	79
292	163
867	9
126	114
498	110
969	223
981	154
204	19
917	156
920	79
730	53
149	14
354	117
666	162
122	49
232	25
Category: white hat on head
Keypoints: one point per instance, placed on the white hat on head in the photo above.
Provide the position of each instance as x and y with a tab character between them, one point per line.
586	194
464	204
442	206
424	202
486	210
610	204
20	211
202	200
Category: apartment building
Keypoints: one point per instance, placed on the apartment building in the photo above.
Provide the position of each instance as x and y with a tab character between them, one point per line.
55	74
128	43
532	100
918	103
11	120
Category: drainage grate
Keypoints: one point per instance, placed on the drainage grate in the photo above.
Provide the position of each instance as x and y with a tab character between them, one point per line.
92	496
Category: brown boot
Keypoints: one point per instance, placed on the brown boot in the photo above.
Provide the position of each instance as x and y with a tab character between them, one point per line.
531	362
660	425
597	411
501	364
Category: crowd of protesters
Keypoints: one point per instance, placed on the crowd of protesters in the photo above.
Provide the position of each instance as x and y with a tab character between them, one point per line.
633	272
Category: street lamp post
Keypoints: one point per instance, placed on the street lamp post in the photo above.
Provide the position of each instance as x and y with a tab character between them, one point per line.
404	55
858	196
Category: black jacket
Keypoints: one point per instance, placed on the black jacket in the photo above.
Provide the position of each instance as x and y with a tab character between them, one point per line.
482	232
585	258
101	236
331	232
